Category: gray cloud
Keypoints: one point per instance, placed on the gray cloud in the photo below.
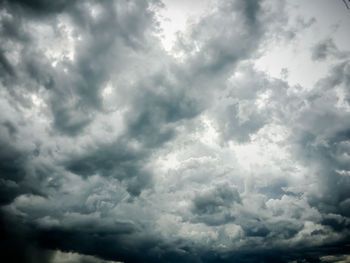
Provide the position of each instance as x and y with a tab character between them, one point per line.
322	50
327	48
116	150
212	201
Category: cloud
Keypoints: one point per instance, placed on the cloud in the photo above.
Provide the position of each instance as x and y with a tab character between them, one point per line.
323	49
114	149
326	49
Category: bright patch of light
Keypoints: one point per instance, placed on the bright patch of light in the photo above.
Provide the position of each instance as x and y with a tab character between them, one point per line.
176	16
67	257
262	100
107	90
209	135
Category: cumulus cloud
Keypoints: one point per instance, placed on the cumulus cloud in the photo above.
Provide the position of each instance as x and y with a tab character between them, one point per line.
115	149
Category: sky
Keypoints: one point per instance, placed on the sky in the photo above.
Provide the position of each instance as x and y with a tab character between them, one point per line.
137	131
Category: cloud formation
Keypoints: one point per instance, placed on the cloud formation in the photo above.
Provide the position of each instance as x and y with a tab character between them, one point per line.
113	149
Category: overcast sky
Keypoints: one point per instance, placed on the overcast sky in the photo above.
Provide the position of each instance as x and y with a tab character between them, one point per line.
142	131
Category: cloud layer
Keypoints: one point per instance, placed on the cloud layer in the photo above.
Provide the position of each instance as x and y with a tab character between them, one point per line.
114	149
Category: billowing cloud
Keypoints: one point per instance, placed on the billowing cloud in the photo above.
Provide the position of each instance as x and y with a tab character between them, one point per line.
116	149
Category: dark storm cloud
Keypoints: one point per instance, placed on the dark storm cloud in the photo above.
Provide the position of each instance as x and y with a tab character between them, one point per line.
213	200
18	242
221	49
72	97
113	31
6	66
238	116
213	206
93	109
325	136
14	166
39	7
114	160
330	155
11	168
